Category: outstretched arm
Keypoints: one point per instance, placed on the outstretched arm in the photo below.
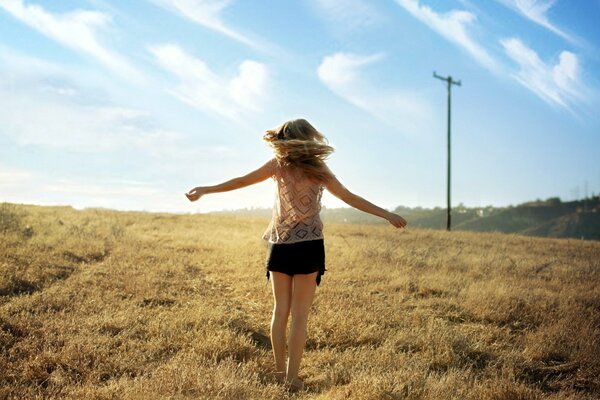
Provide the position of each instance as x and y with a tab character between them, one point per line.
253	177
338	190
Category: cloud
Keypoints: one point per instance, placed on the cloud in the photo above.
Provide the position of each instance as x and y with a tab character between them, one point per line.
536	11
206	13
52	116
116	188
120	194
205	90
10	176
339	71
558	84
46	112
249	84
343	74
43	106
77	30
348	14
453	26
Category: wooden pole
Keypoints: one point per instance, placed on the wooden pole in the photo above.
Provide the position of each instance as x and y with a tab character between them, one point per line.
449	82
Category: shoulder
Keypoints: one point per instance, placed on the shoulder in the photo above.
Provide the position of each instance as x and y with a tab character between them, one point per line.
329	175
272	166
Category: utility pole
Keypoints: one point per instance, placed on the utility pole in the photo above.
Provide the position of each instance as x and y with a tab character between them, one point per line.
450	82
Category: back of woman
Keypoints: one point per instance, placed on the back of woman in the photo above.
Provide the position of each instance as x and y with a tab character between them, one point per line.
297	205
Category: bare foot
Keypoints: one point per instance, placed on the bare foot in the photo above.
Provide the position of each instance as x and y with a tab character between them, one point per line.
294	385
280	377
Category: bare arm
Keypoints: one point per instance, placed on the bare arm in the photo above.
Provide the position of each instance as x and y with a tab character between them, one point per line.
335	187
253	177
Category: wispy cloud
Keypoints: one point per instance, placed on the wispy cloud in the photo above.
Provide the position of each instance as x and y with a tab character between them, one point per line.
124	188
208	14
537	11
51	116
453	26
78	30
10	175
348	15
118	194
87	192
343	74
43	106
558	84
203	89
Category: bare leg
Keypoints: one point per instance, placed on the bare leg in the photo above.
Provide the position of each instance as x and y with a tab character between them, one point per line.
303	293
282	296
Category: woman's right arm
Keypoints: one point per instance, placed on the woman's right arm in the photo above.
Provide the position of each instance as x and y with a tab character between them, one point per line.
335	187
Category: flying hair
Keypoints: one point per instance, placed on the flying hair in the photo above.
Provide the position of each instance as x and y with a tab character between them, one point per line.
297	143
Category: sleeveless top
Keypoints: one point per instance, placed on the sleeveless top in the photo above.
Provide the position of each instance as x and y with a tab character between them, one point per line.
297	206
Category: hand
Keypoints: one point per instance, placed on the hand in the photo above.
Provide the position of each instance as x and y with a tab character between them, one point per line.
396	220
195	194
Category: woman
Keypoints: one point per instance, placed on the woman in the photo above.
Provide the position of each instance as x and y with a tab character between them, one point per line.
296	255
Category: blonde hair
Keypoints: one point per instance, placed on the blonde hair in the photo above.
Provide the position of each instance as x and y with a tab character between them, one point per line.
298	143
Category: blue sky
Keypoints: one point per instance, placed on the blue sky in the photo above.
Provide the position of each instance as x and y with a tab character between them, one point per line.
129	104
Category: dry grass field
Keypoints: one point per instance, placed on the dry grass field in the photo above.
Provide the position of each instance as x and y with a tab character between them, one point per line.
99	304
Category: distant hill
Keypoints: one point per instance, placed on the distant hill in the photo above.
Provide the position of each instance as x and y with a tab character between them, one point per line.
585	225
549	218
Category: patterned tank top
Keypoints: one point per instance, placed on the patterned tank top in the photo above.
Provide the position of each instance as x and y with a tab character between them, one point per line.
297	206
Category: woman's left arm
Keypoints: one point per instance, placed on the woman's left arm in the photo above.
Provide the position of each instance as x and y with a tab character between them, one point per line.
253	177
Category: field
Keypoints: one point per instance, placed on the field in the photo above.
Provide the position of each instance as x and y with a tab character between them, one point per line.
99	304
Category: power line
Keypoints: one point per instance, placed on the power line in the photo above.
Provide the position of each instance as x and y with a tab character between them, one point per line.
450	82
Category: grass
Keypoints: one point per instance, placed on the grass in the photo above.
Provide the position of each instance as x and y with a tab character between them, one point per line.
100	304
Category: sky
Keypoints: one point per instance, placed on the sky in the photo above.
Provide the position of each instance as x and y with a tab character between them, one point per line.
130	104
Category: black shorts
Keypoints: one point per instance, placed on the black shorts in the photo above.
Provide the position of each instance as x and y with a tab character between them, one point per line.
297	258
